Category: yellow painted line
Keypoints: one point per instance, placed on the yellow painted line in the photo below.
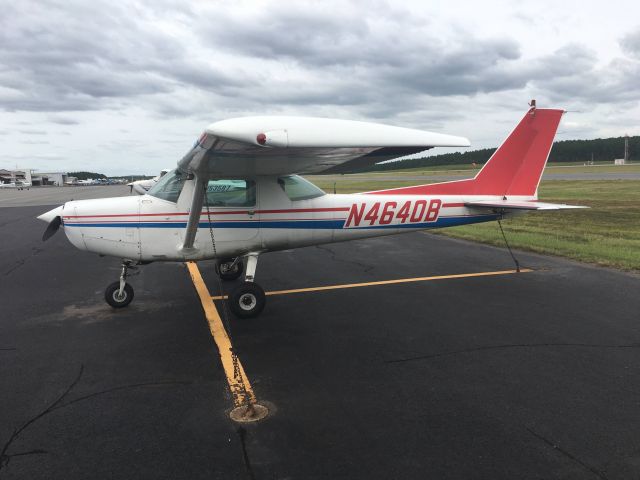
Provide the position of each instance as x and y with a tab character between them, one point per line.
389	282
238	381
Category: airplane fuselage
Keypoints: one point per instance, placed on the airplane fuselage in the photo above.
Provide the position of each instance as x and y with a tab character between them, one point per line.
147	228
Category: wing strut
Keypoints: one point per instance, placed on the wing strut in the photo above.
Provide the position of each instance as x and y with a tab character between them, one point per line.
194	214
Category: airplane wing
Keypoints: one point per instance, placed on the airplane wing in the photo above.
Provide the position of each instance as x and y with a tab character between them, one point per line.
532	205
287	145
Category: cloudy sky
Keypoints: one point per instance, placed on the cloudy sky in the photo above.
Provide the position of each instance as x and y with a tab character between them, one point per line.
127	87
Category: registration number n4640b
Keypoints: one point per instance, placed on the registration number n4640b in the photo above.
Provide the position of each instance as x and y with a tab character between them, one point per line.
387	213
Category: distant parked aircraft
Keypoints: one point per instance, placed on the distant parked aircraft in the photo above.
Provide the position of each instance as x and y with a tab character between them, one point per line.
142	186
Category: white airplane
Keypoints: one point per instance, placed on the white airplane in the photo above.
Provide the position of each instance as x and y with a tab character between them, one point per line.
141	187
236	195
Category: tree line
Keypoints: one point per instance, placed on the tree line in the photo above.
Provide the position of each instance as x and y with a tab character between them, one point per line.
583	151
95	176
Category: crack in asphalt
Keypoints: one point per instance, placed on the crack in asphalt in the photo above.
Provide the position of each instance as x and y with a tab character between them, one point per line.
5	457
334	256
59	403
508	346
570	456
242	434
620	458
19	263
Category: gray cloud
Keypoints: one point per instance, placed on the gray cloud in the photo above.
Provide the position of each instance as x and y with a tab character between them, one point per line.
62	120
33	132
173	60
630	43
165	62
572	72
370	52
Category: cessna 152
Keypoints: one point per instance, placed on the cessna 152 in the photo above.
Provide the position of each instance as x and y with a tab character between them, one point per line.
236	194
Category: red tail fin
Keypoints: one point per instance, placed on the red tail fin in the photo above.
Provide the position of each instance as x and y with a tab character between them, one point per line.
515	167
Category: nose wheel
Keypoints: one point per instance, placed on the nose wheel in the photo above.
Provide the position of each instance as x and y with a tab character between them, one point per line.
117	298
119	294
229	268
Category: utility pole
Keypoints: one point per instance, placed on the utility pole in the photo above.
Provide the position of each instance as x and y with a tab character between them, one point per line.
626	148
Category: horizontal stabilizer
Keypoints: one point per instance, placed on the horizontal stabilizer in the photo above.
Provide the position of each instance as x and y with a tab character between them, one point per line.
532	205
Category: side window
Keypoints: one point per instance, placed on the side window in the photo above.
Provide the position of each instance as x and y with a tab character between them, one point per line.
297	188
231	193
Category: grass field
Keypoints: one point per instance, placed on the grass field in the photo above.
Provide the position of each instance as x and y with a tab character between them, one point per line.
556	168
606	234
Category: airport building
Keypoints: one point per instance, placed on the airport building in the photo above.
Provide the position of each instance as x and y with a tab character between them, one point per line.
13	176
57	179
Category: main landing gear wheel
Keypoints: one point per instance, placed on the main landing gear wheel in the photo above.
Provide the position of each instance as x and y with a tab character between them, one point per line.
116	299
247	300
228	270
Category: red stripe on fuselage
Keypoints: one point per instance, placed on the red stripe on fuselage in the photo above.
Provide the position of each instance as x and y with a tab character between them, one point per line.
223	212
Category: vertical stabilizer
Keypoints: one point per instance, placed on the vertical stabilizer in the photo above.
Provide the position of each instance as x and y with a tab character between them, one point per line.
514	169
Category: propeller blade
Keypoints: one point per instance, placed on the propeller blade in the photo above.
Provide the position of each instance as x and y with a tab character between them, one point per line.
53	227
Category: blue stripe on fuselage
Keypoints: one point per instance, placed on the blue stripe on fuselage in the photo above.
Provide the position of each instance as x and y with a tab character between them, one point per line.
293	224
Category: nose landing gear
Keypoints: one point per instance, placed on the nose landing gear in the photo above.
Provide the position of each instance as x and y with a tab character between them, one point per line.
119	294
229	268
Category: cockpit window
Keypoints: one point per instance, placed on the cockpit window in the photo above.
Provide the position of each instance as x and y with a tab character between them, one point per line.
297	188
169	186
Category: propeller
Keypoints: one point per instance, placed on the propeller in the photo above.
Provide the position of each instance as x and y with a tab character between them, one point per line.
52	228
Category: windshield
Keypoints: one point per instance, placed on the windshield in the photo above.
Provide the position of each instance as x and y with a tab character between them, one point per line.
297	188
169	186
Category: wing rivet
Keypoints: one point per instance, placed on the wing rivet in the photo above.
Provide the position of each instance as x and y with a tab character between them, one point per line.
261	138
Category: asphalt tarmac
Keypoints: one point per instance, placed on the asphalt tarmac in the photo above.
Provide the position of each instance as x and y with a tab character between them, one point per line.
530	375
12	197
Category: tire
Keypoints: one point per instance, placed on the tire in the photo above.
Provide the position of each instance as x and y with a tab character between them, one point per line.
247	300
222	269
111	295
